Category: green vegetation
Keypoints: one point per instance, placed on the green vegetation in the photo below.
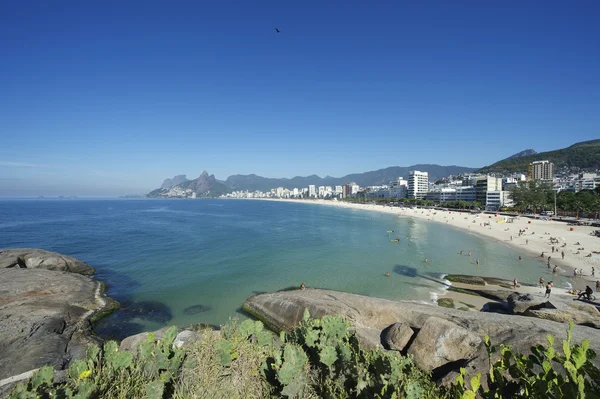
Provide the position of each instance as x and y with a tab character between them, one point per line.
320	358
581	155
536	376
446	302
535	196
462	204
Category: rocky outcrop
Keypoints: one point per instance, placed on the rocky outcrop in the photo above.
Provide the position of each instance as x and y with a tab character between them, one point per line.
371	316
440	342
33	258
521	303
45	309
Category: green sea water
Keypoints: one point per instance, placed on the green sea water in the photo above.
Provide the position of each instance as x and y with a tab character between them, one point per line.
195	261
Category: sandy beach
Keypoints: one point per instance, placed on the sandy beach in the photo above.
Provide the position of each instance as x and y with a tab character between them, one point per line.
576	244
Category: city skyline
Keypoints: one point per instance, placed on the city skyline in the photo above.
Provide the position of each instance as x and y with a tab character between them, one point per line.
109	99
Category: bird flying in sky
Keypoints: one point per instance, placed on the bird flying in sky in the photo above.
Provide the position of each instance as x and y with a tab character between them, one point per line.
277	30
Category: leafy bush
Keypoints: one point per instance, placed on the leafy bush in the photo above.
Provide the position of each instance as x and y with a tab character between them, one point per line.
536	376
110	373
322	356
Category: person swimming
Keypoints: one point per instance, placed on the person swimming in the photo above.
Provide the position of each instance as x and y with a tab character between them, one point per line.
426	260
302	286
387	274
477	261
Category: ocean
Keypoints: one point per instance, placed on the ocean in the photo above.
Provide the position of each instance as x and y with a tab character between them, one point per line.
186	262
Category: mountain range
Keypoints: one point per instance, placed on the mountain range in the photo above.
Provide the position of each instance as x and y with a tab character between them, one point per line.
583	155
174	181
209	186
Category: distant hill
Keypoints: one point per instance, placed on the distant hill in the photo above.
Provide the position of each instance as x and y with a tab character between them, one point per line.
174	181
523	153
585	155
204	186
373	178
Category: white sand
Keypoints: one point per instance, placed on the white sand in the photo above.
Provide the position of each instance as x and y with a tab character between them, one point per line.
535	241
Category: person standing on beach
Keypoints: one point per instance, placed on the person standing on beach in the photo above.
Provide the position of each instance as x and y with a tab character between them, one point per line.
563	255
597	285
515	283
526	242
593	272
548	290
549	260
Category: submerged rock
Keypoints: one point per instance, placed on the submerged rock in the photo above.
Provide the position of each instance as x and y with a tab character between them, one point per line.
196	309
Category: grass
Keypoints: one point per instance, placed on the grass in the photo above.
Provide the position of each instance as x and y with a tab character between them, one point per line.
204	377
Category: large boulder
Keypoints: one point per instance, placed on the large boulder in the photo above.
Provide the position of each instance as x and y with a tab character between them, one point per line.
440	342
521	303
45	313
284	310
397	336
33	258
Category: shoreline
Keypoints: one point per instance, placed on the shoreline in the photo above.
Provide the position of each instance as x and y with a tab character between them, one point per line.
538	233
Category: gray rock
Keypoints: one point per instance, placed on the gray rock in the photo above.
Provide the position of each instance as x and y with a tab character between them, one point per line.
45	317
396	336
284	310
440	342
32	258
521	303
130	343
186	338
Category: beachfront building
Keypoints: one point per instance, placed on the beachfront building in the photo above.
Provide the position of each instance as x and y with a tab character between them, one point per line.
498	199
486	184
418	184
540	170
339	191
312	192
442	194
464	193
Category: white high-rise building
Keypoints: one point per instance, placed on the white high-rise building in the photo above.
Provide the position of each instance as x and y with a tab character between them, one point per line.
312	191
418	184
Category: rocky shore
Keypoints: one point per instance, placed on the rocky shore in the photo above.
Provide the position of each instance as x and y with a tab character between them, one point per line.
47	302
441	340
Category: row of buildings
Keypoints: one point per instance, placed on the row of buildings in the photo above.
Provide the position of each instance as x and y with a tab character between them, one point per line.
490	191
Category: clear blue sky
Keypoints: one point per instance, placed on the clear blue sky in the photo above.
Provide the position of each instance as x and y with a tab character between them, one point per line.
111	97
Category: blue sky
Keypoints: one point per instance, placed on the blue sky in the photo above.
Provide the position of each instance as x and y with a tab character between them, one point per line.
106	98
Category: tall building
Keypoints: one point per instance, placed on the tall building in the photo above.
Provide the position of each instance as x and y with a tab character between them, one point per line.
312	192
540	170
485	184
418	184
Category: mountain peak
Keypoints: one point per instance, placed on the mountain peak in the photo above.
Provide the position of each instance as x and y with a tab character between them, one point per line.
524	153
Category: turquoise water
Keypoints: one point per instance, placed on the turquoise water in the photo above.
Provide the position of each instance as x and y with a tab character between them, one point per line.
196	261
